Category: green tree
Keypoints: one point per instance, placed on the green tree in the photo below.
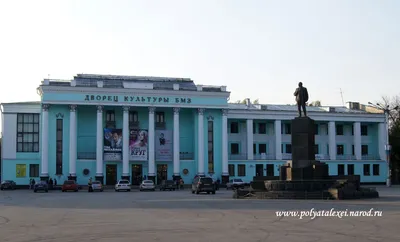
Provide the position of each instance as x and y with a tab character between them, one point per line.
257	101
315	104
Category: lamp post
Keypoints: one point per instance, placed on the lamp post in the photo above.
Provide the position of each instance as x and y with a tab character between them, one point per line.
388	147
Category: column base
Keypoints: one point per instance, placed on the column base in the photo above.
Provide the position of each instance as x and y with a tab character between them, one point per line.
225	179
126	178
44	177
100	179
153	178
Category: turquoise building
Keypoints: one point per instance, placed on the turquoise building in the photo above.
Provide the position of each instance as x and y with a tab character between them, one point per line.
112	127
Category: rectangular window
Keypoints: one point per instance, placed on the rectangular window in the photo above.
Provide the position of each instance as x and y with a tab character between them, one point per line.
316	149
262	148
327	149
350	169
288	149
366	169
364	149
262	128
270	170
234	127
339	129
340	149
133	117
352	129
316	129
231	169
110	116
288	129
28	132
34	170
160	117
234	148
254	129
210	146
241	170
364	130
254	148
352	150
340	169
59	145
375	169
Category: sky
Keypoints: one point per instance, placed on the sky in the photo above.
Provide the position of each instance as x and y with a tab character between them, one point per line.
259	49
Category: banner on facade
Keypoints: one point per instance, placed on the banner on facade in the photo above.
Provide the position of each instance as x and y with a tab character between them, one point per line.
112	144
164	142
138	144
20	170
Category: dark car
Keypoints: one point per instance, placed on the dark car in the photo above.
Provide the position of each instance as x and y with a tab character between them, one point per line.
203	184
70	185
8	185
41	186
168	185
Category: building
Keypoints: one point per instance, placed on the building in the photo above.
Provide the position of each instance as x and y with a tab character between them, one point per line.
110	127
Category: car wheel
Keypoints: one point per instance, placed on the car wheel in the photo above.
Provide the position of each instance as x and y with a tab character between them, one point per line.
47	191
128	190
76	190
154	190
197	192
34	190
141	190
101	190
192	192
173	189
208	192
213	192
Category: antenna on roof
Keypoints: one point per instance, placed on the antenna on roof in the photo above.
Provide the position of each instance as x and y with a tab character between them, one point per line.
341	94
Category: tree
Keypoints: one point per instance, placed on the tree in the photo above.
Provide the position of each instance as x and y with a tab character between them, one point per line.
256	101
315	104
244	101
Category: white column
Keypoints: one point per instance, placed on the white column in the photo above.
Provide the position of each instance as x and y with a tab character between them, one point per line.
151	144
125	142
278	139
382	140
45	140
177	159
72	140
200	141
99	142
225	169
332	140
250	153
357	140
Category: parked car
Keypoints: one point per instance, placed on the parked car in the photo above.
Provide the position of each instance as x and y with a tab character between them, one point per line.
235	184
70	185
97	186
147	185
41	186
203	184
168	185
8	184
123	185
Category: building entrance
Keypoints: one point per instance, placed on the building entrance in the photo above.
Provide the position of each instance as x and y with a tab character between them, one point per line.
111	175
162	173
137	174
259	170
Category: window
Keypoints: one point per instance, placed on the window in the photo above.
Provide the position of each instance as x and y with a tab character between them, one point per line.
364	130
340	149
288	149
210	147
110	116
262	148
352	150
327	149
339	129
28	132
234	127
262	128
254	148
350	169
59	145
241	170
160	117
287	129
133	117
375	169
352	130
367	170
340	169
234	148
364	149
34	170
316	149
231	169
254	129
270	170
316	129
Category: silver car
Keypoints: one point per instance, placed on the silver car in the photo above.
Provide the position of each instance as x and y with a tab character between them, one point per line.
147	185
97	186
123	185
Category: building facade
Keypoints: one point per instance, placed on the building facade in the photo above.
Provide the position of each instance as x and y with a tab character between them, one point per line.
113	127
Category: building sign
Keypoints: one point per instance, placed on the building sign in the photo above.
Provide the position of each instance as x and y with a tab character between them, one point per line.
112	144
20	170
136	99
164	145
138	145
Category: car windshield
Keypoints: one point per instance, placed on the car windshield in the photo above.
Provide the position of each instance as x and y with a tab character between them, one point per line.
124	182
148	182
69	182
238	180
207	180
169	182
96	182
42	182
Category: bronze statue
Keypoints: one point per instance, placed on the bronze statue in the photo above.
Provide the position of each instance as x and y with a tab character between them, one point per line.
301	94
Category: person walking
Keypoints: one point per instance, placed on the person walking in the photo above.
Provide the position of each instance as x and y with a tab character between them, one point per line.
90	188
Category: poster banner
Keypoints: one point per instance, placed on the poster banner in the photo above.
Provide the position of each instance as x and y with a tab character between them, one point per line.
20	170
164	143
112	144
138	144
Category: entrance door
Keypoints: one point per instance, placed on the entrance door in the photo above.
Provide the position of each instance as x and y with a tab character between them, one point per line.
162	173
137	174
111	174
259	170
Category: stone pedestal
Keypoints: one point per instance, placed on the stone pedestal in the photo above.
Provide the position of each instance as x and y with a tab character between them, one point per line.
303	142
100	179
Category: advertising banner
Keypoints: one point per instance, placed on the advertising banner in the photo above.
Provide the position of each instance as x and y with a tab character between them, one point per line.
112	144
20	170
138	144
164	142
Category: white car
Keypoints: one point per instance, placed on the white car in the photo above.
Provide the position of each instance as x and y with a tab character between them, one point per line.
235	183
123	185
147	185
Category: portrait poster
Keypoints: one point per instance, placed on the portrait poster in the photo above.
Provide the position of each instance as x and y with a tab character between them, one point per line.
20	170
138	144
164	142
112	144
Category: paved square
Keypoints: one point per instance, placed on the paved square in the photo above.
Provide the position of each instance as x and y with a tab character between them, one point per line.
182	216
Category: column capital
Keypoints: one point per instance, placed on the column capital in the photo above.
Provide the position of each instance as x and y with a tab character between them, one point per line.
177	110
72	108
45	107
152	109
100	109
224	112
126	109
200	111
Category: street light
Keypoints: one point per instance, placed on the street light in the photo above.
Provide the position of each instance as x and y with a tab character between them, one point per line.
388	147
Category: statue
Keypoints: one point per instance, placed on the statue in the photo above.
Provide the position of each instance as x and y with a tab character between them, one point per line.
301	94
